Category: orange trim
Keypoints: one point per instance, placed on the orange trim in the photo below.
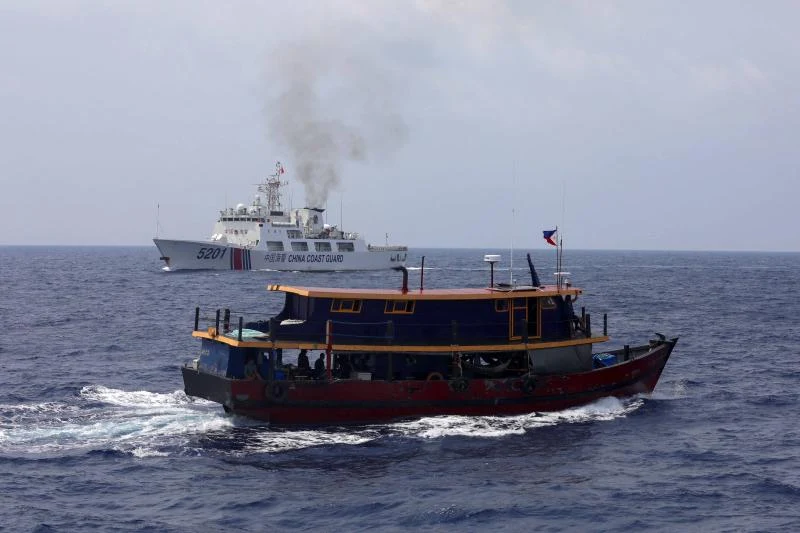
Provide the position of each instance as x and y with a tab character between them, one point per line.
398	348
427	294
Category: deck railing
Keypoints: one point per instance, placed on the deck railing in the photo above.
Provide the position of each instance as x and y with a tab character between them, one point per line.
385	332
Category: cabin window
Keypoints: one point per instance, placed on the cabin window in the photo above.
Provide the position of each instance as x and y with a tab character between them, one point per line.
299	246
294	234
322	246
274	246
345	246
301	307
548	303
400	306
501	306
520	303
345	306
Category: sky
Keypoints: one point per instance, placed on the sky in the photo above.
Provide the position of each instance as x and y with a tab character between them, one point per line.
442	123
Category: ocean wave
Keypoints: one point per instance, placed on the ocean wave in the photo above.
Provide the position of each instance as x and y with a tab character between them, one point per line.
139	422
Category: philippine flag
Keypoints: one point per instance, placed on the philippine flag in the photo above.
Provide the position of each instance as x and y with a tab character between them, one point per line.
550	236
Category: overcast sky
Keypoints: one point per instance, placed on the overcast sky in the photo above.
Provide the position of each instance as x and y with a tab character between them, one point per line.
630	125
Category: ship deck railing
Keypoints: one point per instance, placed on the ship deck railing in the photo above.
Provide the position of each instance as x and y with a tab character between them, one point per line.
383	333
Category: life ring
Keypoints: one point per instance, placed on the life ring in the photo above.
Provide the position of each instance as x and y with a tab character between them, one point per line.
434	376
277	391
459	385
528	384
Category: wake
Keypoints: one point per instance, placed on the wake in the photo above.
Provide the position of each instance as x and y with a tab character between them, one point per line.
136	422
148	424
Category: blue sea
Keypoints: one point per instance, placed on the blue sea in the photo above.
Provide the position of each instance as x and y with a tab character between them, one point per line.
96	433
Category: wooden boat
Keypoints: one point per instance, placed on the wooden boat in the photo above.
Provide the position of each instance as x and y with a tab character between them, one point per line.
392	354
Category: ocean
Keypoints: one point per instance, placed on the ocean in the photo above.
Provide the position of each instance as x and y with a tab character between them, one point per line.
96	433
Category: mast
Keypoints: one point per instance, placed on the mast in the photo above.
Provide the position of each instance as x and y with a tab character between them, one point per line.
511	252
272	187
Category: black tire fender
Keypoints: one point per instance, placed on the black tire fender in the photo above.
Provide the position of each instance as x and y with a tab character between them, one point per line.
276	391
459	385
528	384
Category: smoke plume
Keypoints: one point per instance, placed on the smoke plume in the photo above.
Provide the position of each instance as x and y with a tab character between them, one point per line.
330	103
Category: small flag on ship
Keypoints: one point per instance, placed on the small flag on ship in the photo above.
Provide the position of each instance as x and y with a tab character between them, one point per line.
550	236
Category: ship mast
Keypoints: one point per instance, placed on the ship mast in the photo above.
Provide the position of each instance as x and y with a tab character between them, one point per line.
272	187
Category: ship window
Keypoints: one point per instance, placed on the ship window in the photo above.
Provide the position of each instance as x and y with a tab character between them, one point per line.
301	307
548	303
274	246
322	246
294	234
300	246
501	306
520	303
345	306
345	246
400	306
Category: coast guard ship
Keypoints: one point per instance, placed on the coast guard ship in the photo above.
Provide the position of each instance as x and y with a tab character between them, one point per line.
263	235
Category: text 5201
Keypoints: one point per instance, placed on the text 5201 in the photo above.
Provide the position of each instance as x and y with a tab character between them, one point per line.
211	253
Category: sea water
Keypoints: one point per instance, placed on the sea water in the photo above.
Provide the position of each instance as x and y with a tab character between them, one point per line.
97	435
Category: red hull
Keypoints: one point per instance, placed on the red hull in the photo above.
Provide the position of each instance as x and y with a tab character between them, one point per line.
350	401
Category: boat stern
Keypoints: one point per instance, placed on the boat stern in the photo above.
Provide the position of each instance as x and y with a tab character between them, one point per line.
210	387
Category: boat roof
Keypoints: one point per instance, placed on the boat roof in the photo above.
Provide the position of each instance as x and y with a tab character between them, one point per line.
486	293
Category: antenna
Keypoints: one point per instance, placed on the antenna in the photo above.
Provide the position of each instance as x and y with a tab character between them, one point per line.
158	214
513	222
511	262
272	187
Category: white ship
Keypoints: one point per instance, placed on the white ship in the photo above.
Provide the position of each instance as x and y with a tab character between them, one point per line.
264	236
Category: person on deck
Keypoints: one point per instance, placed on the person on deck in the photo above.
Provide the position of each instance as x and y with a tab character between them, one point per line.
342	366
319	367
303	364
250	369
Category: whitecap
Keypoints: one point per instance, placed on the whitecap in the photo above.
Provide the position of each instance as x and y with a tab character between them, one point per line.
130	420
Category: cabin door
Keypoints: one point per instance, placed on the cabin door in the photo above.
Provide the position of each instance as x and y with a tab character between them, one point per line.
519	318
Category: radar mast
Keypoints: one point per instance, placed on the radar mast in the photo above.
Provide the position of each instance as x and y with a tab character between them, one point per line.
272	188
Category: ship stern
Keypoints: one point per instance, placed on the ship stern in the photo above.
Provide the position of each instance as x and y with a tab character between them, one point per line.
207	386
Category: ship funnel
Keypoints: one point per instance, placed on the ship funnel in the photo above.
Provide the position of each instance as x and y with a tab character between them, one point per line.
404	270
534	276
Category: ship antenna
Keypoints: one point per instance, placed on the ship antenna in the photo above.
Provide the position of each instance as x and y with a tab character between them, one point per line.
513	222
511	263
272	187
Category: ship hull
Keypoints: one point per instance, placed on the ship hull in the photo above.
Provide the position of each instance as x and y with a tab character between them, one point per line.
312	402
203	255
